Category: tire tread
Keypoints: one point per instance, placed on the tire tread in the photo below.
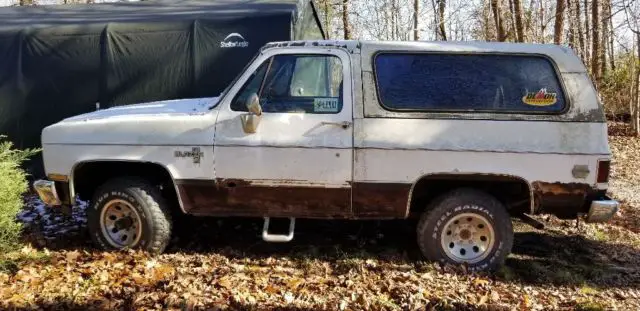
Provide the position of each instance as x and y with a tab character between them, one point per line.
154	205
437	207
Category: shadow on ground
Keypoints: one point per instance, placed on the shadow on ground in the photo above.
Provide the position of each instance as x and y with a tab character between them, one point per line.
538	257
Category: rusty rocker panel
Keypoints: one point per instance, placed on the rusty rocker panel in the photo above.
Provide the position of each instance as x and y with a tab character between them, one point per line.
235	197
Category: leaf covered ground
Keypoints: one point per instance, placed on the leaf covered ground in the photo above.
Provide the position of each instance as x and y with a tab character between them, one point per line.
217	264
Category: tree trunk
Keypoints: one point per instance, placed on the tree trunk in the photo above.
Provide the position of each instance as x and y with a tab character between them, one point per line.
572	27
434	6
611	36
595	42
517	9
636	98
441	7
559	24
543	24
587	41
485	24
394	13
580	31
345	20
605	37
530	23
497	17
327	18
416	35
393	20
512	17
634	101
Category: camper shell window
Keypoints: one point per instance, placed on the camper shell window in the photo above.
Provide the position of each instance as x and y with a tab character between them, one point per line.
468	83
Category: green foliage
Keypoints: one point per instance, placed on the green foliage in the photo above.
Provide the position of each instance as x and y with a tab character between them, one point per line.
12	261
590	306
587	290
13	184
600	235
615	88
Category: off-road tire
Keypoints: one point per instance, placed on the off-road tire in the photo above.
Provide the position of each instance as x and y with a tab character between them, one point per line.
152	207
431	226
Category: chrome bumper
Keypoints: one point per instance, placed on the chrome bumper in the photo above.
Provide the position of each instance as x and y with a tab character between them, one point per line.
602	210
47	192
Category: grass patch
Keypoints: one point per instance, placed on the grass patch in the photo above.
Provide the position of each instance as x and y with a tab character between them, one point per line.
590	306
12	261
588	290
600	235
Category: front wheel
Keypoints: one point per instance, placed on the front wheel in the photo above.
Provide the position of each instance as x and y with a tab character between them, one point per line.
466	226
129	213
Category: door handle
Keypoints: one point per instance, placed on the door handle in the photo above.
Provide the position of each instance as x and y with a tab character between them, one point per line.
344	124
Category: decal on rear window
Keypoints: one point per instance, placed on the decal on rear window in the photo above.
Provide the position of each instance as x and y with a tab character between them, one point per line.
540	98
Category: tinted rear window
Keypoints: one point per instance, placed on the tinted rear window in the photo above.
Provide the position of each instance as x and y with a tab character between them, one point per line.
437	82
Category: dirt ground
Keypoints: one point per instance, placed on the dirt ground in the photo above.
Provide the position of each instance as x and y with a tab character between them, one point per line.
215	264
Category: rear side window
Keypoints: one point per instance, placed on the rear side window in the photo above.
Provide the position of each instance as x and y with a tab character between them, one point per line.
484	82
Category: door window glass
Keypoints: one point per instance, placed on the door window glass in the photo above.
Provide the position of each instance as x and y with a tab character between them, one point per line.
298	83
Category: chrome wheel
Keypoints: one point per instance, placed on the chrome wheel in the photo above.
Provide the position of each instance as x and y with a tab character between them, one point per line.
467	238
120	223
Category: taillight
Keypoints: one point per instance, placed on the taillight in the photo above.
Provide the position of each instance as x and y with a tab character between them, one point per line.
603	171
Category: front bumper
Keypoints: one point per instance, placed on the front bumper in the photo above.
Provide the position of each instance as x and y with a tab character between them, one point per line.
602	210
46	190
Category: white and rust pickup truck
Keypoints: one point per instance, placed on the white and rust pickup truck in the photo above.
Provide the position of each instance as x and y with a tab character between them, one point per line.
461	135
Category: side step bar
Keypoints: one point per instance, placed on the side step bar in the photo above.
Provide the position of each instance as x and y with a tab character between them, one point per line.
278	238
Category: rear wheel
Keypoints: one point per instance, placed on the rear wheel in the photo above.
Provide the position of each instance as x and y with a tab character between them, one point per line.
129	213
466	226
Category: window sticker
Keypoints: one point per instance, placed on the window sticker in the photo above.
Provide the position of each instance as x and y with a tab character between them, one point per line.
325	105
540	98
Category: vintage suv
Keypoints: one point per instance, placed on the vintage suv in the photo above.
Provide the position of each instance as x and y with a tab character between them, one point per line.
463	135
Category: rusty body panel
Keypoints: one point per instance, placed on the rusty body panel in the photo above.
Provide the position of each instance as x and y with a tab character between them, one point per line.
380	200
234	197
242	198
564	200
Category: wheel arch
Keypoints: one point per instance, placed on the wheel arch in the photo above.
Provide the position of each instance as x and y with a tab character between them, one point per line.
144	169
453	180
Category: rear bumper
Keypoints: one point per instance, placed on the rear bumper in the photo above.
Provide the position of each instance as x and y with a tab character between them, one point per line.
46	190
602	210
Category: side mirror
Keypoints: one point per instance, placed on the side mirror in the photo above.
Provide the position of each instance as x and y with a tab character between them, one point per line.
253	104
251	120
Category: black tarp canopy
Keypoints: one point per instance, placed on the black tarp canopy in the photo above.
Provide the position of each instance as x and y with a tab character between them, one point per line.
60	60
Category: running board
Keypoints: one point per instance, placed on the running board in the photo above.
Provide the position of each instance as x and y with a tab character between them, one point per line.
278	238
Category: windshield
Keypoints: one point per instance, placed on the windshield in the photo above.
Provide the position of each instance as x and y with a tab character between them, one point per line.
226	89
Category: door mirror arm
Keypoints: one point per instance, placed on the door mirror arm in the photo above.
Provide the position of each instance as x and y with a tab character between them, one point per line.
253	104
251	120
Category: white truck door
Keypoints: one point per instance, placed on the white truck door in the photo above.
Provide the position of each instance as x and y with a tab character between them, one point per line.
298	162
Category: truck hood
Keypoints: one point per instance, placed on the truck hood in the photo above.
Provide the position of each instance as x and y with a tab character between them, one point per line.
170	122
191	106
